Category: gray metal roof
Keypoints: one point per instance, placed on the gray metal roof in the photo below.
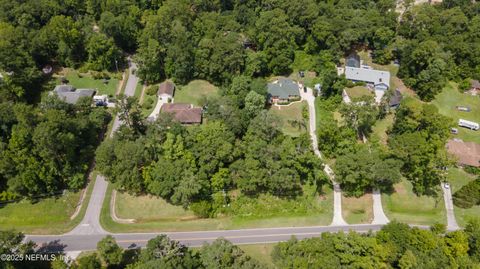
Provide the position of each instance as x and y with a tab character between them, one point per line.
367	75
283	88
71	95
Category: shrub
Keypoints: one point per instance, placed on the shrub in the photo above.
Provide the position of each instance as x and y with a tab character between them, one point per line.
472	170
148	103
152	90
202	209
468	195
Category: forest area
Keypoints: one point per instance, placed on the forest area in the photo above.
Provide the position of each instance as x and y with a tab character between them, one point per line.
236	45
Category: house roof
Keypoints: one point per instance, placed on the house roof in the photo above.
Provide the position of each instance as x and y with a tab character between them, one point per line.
468	153
71	95
184	113
475	84
166	87
283	88
396	98
367	75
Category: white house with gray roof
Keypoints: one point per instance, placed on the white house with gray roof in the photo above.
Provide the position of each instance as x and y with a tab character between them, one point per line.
380	80
71	95
283	91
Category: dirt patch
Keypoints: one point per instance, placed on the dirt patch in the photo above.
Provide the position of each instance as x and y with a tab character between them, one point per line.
400	189
402	87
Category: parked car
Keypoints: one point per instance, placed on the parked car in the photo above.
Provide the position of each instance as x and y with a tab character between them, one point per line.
446	185
301	74
463	108
304	89
454	130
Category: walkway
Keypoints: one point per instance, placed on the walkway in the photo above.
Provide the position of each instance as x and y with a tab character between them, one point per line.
452	224
379	216
337	192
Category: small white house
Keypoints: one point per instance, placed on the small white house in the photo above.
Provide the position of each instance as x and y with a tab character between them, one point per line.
166	90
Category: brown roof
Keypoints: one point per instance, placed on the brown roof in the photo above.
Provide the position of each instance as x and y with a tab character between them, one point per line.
467	153
184	113
475	84
166	87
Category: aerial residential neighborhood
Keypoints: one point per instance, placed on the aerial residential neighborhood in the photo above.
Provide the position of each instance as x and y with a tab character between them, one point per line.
239	134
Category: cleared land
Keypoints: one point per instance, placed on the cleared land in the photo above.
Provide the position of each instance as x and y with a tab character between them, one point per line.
446	103
357	210
86	81
404	206
193	92
458	178
47	216
260	252
154	214
291	115
381	127
358	91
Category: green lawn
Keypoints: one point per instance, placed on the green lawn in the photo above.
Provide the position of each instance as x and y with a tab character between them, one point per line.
260	252
446	102
154	214
85	81
458	178
357	210
404	206
358	91
379	130
48	216
147	109
193	92
291	113
138	90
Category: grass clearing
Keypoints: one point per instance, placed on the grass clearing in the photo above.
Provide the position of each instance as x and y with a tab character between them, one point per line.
154	214
359	91
260	252
404	206
148	105
381	127
357	210
458	178
193	92
446	103
86	81
47	216
290	114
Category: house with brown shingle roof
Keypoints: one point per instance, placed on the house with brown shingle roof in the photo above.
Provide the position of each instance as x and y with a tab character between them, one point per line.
166	90
467	153
183	113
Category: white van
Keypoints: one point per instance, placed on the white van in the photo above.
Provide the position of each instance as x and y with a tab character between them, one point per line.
468	124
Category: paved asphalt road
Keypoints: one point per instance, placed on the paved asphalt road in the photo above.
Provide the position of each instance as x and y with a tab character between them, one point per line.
244	236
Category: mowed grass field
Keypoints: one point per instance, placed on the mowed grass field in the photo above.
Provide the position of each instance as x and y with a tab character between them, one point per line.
357	210
379	130
404	206
194	91
86	81
47	216
446	103
260	252
288	114
458	178
155	214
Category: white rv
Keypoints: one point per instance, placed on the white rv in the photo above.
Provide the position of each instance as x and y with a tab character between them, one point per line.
468	124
